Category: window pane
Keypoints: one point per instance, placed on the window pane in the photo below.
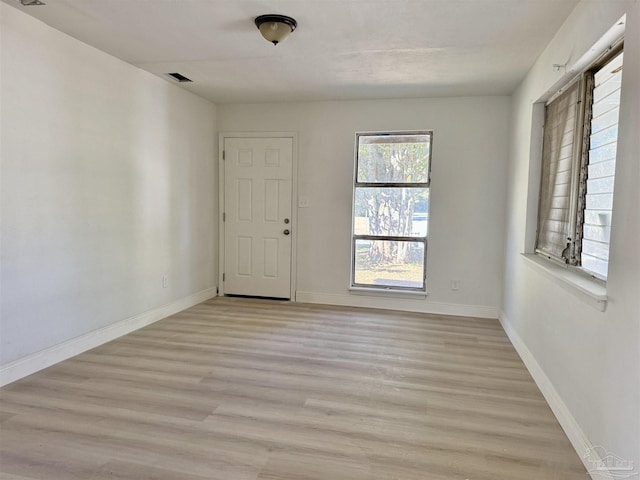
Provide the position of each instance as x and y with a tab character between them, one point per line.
598	233
599	202
603	121
601	168
595	249
604	137
389	264
599	266
401	158
398	212
604	153
599	218
600	185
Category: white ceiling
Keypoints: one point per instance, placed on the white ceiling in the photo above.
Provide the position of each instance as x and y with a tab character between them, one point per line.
342	49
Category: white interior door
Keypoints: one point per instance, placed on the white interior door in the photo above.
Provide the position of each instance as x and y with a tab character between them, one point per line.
257	223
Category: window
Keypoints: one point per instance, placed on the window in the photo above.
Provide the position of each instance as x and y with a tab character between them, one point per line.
391	210
578	168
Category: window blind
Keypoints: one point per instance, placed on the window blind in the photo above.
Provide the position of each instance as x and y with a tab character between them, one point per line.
555	231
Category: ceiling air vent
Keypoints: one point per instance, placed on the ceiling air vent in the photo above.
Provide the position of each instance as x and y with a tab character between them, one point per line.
179	77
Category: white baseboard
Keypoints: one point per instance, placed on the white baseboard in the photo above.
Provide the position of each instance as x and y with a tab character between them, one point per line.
12	371
572	429
407	304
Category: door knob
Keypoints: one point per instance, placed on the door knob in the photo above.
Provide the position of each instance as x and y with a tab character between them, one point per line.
286	232
286	220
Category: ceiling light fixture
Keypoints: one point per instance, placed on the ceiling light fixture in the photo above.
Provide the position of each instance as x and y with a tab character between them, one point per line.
275	28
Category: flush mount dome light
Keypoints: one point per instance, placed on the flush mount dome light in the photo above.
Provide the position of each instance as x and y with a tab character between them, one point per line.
275	28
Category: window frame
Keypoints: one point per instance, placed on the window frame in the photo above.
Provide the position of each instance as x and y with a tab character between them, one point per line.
579	163
355	237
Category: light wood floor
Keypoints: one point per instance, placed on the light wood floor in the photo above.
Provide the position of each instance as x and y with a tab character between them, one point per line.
237	389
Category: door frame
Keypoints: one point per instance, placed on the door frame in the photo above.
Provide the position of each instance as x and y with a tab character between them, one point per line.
222	136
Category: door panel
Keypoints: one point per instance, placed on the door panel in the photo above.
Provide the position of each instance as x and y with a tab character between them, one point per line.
258	187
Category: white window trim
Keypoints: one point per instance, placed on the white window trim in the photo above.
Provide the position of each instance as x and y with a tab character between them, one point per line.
584	285
387	291
613	50
590	290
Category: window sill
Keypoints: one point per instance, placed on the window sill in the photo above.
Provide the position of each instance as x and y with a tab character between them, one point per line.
387	292
591	291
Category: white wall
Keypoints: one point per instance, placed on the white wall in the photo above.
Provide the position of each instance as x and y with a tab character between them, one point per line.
590	358
467	195
108	181
108	178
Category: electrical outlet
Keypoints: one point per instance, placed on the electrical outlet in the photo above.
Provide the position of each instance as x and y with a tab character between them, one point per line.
165	280
455	284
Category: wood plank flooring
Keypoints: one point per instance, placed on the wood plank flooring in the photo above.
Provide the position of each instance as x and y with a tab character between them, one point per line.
237	389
